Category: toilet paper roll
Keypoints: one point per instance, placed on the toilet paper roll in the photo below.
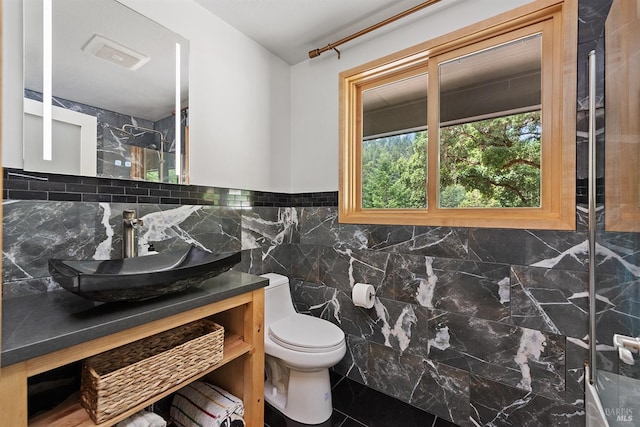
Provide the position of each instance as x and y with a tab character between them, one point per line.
363	295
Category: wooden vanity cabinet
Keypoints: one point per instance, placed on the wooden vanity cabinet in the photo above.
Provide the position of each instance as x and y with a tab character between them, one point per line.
241	371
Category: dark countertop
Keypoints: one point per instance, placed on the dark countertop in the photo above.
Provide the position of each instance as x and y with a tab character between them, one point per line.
39	324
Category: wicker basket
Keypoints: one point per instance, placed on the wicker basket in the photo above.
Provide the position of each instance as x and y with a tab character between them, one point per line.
117	380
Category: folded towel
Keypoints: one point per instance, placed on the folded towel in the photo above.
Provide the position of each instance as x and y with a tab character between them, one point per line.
143	419
203	404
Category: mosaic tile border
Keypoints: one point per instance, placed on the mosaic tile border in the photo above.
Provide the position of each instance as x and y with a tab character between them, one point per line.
22	185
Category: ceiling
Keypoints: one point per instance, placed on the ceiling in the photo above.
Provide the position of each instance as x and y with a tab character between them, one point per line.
291	28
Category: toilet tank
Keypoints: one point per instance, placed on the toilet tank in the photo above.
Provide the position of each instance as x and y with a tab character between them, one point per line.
277	298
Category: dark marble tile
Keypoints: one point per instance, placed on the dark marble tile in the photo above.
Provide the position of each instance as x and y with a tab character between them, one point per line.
315	299
353	236
619	254
591	19
392	372
375	409
575	387
410	278
269	227
350	422
343	268
538	248
549	300
276	259
34	231
433	387
333	305
432	241
577	354
443	391
476	289
495	404
523	358
29	287
443	242
617	308
393	323
273	418
354	364
251	262
304	262
466	287
427	333
169	227
319	226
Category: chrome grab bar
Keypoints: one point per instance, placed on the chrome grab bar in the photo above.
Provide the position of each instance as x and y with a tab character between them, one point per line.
630	343
626	345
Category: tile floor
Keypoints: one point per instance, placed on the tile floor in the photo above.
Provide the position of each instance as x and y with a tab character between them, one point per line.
355	405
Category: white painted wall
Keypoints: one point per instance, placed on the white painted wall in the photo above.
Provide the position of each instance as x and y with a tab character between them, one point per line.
314	86
239	98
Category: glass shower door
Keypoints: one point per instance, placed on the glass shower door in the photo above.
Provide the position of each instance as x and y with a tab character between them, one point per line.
617	238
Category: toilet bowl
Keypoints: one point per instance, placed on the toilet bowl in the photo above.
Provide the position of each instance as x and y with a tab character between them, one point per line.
299	350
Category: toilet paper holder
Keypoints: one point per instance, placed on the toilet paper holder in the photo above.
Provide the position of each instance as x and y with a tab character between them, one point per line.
363	295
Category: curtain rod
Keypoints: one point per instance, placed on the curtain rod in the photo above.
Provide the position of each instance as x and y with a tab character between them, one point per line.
316	52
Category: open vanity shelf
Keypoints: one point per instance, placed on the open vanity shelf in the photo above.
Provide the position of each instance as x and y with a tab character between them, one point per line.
71	413
238	308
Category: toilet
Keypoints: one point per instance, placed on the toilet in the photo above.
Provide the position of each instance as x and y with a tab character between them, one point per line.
299	350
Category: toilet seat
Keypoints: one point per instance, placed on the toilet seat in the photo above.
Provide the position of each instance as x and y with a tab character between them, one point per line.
306	334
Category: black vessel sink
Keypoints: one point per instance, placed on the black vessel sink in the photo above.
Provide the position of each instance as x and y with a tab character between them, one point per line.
139	278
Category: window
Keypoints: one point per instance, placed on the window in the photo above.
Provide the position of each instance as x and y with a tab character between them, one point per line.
475	128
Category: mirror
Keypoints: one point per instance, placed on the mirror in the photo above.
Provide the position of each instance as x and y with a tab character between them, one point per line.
117	80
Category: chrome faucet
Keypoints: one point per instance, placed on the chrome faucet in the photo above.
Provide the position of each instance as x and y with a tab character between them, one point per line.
129	241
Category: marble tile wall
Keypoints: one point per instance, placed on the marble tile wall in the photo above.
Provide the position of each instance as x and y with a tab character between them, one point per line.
472	325
35	230
477	326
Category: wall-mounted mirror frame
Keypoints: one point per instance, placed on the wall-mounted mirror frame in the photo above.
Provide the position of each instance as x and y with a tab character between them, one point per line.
113	65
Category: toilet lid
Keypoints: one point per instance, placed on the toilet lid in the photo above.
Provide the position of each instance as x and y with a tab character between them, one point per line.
306	333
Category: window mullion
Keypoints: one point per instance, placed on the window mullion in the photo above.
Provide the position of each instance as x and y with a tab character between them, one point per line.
433	114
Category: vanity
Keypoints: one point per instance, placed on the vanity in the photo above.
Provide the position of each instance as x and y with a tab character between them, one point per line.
50	330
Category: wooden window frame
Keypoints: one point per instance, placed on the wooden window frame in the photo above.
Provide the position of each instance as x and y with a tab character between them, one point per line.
557	21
